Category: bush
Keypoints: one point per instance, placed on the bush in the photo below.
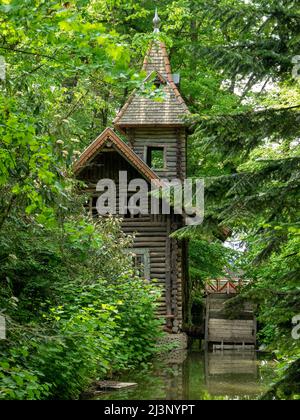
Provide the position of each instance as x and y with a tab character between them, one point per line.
76	310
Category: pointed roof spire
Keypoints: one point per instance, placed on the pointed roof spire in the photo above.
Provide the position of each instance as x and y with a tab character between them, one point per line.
144	111
156	22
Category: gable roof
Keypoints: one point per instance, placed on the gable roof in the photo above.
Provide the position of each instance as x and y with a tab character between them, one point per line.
140	110
108	135
157	60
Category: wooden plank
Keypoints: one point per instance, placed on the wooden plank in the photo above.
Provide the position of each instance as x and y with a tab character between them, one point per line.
231	339
174	251
158	266
136	223
157	271
231	323
206	324
114	385
149	244
168	273
158	276
150	239
151	236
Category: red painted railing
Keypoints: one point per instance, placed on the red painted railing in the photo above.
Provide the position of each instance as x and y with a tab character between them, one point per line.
223	286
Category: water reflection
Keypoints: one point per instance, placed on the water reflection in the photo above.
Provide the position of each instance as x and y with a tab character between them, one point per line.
232	374
195	375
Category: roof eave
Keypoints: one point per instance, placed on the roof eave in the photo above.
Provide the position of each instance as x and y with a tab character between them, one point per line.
122	148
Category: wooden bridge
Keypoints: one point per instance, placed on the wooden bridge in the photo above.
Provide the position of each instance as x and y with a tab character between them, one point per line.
224	331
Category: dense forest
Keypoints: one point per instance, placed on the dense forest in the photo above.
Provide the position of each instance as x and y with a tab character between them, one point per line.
74	308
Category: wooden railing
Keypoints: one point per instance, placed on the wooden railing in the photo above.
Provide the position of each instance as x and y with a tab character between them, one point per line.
223	286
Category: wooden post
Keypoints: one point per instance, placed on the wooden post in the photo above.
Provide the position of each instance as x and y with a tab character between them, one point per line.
255	330
174	297
206	323
168	275
131	136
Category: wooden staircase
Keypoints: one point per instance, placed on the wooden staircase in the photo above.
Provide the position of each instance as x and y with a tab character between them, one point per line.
224	332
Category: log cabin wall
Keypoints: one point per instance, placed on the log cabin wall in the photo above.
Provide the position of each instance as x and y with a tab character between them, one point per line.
155	146
153	125
171	139
161	255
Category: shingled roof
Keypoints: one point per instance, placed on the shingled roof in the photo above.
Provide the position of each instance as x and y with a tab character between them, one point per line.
140	110
108	135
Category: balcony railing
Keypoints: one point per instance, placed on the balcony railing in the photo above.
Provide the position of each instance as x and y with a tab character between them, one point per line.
225	286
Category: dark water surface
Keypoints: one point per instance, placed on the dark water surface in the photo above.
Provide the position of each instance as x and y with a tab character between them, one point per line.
195	375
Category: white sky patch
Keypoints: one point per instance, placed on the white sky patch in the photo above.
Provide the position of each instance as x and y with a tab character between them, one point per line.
295	143
2	328
235	244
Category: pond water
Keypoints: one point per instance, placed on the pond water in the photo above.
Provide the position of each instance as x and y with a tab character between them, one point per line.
195	375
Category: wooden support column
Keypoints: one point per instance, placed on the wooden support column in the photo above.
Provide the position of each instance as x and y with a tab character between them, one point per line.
130	135
168	276
186	299
174	253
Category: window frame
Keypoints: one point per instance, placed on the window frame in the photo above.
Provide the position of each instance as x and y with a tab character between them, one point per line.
145	252
162	147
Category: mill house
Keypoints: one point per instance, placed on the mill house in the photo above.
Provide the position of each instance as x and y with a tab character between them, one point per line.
152	147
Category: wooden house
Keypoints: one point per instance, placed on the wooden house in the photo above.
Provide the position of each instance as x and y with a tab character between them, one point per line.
155	148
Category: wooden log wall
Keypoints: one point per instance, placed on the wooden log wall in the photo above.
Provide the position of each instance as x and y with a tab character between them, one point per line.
220	328
151	233
174	141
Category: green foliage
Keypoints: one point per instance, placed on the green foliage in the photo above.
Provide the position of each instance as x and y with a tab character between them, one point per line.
248	154
70	65
73	313
276	290
208	260
17	383
74	308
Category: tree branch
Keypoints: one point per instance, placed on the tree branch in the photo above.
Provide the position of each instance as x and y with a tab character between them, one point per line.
27	52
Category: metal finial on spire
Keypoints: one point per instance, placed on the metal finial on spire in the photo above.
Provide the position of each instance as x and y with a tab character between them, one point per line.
156	22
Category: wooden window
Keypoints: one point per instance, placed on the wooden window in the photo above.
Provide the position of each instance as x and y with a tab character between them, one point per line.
156	157
138	263
141	261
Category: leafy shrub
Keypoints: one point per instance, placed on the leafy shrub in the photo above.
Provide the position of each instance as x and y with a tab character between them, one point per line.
76	310
18	383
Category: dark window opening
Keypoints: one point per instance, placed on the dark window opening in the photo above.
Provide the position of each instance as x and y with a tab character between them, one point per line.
157	83
138	264
141	262
94	207
90	206
156	157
